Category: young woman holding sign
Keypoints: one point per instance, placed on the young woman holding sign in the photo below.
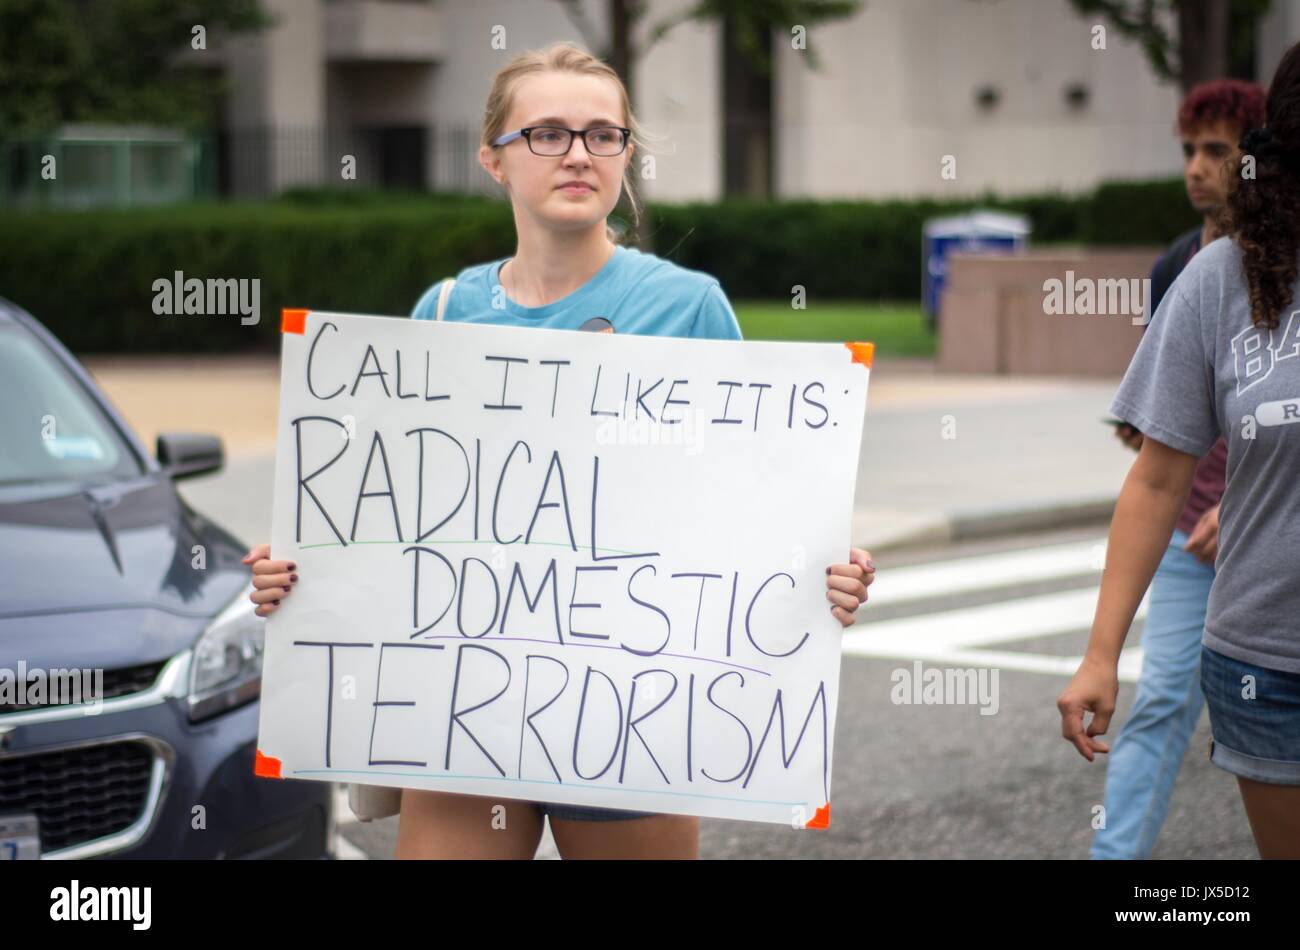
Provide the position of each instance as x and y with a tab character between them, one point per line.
558	136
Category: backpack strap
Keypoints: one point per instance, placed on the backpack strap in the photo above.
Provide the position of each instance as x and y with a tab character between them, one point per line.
443	294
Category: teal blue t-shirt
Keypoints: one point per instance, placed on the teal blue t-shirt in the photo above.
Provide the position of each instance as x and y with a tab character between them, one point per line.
635	292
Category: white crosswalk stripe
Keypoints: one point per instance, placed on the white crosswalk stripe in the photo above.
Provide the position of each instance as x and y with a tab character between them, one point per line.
960	636
923	582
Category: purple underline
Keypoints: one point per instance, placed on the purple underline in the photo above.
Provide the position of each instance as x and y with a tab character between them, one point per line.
601	646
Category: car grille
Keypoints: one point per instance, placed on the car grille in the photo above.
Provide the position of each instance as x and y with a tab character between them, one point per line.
119	682
78	794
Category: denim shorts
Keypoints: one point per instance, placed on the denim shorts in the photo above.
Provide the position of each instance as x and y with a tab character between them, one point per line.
1254	718
583	813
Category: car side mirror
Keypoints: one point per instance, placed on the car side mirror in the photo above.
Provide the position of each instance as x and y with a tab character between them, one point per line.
186	454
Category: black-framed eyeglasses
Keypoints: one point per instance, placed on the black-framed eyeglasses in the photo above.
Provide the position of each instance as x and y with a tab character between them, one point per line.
551	140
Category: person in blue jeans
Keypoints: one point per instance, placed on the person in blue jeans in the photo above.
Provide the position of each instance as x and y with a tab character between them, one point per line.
1148	753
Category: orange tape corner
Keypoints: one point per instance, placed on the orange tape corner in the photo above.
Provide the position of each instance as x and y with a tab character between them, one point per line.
863	353
293	321
823	817
265	765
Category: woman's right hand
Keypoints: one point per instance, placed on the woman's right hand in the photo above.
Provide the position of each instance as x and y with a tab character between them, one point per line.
272	579
1095	688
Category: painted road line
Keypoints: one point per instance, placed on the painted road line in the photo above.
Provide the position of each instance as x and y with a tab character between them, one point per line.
923	582
1130	661
1021	618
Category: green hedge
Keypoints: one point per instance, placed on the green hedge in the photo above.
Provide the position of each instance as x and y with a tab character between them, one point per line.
1137	213
89	276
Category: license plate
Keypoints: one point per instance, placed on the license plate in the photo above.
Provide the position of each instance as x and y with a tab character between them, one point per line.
20	838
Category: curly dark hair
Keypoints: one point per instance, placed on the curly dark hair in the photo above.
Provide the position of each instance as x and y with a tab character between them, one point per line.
1263	213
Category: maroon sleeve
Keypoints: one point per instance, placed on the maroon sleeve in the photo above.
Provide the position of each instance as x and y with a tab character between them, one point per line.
1208	483
1215	471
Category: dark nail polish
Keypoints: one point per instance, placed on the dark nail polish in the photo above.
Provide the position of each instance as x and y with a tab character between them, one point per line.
276	602
293	567
293	578
828	570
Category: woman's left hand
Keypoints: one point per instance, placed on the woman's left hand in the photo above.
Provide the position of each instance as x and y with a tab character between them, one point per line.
846	584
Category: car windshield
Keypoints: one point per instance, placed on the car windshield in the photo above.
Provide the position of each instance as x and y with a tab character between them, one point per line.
52	430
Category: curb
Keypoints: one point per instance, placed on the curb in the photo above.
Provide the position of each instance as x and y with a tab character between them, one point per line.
1011	519
997	521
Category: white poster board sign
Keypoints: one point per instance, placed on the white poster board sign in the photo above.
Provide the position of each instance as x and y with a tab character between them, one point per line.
561	566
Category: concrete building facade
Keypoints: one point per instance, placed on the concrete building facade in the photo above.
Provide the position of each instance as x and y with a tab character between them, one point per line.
913	98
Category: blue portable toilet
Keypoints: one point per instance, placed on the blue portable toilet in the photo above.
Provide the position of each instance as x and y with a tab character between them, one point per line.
983	231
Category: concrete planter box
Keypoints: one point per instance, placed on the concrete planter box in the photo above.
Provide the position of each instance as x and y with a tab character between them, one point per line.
995	313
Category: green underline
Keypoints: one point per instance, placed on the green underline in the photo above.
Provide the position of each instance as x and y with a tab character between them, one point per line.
550	544
529	781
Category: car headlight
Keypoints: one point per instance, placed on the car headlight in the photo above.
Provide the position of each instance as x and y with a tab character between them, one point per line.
226	670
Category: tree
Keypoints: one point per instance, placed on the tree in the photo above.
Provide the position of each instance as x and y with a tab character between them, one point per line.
748	24
1187	41
109	60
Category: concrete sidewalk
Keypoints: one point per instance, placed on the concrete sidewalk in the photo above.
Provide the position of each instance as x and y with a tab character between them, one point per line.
948	457
944	457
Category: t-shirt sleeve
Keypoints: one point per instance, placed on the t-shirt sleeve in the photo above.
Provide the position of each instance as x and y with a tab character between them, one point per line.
1168	390
426	308
715	320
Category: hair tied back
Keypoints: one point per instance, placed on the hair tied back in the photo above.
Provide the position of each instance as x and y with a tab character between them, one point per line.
1260	143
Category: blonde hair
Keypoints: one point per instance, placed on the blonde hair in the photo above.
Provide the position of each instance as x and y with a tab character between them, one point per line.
559	57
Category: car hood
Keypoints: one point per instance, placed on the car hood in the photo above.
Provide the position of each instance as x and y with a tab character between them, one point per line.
126	546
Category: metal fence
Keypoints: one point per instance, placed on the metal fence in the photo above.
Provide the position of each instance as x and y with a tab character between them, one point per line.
264	161
125	167
106	167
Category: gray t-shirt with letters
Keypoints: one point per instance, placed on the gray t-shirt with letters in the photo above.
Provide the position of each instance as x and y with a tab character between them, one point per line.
1203	369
